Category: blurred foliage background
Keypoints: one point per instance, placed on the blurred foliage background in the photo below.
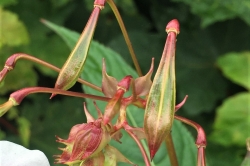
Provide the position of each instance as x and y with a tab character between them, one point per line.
212	65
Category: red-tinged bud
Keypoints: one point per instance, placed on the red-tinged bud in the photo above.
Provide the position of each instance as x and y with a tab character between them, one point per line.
143	84
99	3
9	65
114	104
7	105
173	26
84	141
124	83
160	107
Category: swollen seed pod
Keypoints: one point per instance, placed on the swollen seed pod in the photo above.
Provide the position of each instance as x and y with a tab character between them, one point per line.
160	107
85	140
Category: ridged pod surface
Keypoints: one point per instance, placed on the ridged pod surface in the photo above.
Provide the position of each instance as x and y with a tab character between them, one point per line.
160	107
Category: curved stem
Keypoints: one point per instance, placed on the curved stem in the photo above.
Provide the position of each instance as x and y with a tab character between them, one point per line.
125	34
201	141
11	61
19	95
146	160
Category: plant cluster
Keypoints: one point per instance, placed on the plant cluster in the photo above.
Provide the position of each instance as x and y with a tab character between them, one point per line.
95	142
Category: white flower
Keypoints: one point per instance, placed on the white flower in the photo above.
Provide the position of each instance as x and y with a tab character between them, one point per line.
17	155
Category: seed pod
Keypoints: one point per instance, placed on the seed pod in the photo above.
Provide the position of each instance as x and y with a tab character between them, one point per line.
160	107
73	67
84	141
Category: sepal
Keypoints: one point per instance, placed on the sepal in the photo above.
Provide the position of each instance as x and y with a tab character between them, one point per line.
143	84
109	84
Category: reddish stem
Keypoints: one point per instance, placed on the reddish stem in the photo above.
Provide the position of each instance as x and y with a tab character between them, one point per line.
201	156
127	127
201	141
11	62
22	93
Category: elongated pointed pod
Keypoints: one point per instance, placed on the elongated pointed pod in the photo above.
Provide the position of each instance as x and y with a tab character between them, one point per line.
75	62
160	107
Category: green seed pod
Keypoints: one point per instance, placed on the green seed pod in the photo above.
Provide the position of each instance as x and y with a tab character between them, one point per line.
160	107
73	67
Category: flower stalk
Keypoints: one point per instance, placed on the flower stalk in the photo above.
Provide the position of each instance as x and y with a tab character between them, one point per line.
13	59
125	35
201	141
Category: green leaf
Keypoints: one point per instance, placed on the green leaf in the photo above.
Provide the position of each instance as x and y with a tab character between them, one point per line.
220	155
236	67
24	130
59	3
15	33
212	11
8	2
232	121
50	118
92	72
196	72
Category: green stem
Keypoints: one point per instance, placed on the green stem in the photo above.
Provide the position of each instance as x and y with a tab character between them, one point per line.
125	34
171	150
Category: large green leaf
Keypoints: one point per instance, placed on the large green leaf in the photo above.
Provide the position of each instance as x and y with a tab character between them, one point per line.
196	73
118	68
7	2
232	121
212	11
236	67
